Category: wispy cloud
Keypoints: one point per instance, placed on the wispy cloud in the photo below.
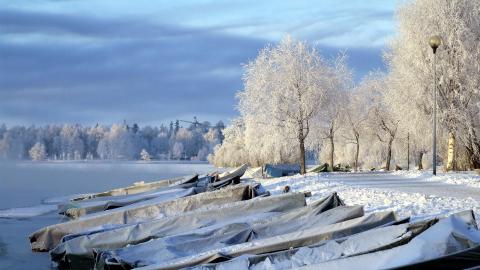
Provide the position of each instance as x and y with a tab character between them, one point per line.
89	61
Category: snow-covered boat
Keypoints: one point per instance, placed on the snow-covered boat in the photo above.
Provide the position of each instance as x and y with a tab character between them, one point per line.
48	237
448	243
297	227
79	249
146	191
78	209
236	172
139	187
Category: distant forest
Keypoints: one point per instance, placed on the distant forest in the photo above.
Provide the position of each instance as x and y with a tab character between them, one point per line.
115	142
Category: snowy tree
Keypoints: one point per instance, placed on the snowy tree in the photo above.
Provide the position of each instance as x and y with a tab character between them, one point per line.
144	155
203	153
118	143
38	152
330	116
160	144
212	138
355	117
177	151
284	88
232	152
94	135
71	140
382	122
12	146
410	62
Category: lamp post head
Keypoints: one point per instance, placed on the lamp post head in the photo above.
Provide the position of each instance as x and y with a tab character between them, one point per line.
435	42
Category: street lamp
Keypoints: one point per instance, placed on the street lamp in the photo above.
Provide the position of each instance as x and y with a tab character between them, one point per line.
434	42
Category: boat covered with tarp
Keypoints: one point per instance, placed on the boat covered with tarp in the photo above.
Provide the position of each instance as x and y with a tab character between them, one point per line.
48	237
79	249
446	243
279	170
138	187
221	221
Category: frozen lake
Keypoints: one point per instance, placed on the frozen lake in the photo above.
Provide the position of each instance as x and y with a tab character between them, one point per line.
27	184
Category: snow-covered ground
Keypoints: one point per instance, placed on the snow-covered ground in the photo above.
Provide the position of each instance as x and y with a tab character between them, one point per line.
416	194
470	179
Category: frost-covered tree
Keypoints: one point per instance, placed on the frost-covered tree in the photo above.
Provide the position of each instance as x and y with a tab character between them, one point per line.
354	117
93	137
178	150
232	152
72	141
118	143
330	115
13	146
38	152
284	88
381	121
458	69
144	155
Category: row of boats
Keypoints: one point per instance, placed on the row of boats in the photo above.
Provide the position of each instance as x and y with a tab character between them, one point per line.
220	221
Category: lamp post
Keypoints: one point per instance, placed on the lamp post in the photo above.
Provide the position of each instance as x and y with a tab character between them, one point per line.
434	42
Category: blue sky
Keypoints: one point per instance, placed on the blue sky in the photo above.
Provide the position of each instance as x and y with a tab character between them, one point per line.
89	61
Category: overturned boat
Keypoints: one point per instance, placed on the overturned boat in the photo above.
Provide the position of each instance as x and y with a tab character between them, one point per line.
48	237
80	249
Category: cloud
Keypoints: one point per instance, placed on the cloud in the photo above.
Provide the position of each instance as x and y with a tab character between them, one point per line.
59	66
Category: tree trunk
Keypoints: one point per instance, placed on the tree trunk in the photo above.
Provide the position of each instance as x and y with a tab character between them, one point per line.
389	155
419	161
356	156
332	152
302	156
473	160
451	152
301	143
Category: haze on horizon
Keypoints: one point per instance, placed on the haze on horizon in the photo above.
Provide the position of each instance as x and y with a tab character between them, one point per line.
104	62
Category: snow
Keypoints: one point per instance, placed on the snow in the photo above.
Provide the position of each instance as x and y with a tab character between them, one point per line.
412	204
26	212
470	179
255	172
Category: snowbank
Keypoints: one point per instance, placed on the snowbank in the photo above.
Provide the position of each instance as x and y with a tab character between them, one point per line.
415	205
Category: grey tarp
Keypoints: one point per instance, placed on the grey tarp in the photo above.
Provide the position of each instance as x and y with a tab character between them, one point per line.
80	249
48	237
139	187
464	259
85	207
281	242
364	242
219	235
256	190
449	235
177	246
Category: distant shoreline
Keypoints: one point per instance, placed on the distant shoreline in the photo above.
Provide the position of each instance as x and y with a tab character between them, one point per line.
103	161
